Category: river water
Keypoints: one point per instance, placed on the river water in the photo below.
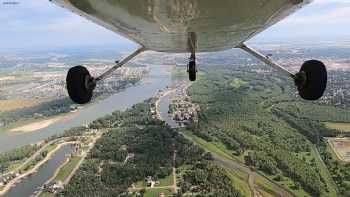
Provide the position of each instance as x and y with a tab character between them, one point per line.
164	103
158	79
31	183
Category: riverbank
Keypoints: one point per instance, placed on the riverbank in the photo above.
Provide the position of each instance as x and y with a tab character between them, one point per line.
36	125
158	79
13	182
68	175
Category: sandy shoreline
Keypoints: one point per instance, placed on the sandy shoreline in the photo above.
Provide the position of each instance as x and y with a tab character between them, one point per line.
36	125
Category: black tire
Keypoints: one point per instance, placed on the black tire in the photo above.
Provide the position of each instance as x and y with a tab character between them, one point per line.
76	85
192	71
316	80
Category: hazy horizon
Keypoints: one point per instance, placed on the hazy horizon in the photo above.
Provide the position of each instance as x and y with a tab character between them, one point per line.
34	25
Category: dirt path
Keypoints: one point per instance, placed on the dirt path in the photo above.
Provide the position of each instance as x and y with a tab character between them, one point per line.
174	172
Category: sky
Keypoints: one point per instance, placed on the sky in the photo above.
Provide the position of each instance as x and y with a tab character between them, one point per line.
33	24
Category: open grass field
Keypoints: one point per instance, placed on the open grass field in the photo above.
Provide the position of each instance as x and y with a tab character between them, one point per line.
167	181
220	150
67	169
237	82
341	148
18	103
338	126
154	192
239	181
46	194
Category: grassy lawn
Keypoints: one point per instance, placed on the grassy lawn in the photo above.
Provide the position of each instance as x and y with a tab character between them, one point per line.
15	164
50	147
264	193
46	194
237	82
67	169
167	181
286	183
324	174
140	184
29	165
265	186
217	149
338	126
239	181
155	192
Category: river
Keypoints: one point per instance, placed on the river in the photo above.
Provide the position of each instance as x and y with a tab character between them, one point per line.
158	79
30	184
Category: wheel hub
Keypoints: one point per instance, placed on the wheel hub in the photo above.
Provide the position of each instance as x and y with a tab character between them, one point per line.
300	80
90	83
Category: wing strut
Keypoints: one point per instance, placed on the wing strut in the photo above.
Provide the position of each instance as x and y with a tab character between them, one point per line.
266	60
311	80
120	64
80	84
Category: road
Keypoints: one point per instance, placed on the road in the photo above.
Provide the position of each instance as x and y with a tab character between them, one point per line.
8	186
30	158
231	164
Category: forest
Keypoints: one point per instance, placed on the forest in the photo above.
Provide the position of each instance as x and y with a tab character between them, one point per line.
106	171
259	117
7	159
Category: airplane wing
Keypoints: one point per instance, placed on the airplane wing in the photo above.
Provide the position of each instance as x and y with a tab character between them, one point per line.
181	25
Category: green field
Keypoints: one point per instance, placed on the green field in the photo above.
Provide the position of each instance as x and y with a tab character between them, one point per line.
167	181
239	181
46	194
338	126
221	151
154	192
67	168
237	82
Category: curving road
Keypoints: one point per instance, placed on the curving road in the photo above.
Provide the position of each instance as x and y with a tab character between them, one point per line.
231	164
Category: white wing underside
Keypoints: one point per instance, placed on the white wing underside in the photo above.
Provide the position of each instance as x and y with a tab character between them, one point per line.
185	25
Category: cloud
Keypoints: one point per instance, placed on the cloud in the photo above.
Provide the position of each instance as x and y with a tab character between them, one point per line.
38	22
331	16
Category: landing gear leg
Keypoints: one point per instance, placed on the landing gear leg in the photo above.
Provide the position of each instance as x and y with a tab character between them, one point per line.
80	84
191	69
311	80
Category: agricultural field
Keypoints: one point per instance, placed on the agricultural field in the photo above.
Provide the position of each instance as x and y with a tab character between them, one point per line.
12	104
341	148
345	127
